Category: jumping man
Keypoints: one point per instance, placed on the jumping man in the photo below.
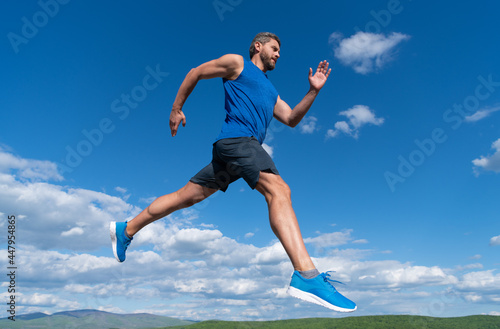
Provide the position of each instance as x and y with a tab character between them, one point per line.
251	103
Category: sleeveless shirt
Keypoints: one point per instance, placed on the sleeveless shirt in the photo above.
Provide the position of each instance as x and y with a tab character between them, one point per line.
249	104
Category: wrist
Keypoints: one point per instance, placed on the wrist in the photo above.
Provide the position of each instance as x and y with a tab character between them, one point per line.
176	108
313	91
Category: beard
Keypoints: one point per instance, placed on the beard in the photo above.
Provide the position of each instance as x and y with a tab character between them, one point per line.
269	64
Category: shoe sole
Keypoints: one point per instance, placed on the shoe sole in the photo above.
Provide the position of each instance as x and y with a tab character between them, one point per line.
308	297
112	233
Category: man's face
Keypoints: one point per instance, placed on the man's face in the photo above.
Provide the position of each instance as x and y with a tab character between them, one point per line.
269	54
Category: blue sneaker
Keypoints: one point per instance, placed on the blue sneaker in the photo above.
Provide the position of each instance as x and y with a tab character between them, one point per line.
119	240
319	290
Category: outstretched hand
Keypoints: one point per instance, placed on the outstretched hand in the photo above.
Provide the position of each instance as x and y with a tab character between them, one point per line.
317	81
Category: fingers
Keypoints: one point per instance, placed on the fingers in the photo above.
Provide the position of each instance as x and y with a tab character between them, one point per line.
323	67
173	128
175	121
319	67
328	73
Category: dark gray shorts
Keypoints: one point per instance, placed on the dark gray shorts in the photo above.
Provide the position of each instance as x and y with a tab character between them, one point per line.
234	158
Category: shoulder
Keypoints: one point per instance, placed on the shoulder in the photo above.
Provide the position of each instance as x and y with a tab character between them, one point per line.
233	63
233	59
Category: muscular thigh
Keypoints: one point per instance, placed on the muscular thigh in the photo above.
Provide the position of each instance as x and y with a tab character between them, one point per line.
270	184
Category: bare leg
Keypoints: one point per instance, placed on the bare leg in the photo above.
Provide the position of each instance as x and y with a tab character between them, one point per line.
283	220
165	205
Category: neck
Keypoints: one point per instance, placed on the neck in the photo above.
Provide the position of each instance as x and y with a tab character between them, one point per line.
258	62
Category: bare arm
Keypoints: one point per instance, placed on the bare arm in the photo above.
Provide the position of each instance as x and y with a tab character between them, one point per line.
282	110
227	66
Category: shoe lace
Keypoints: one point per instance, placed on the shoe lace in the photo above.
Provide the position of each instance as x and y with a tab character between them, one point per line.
327	277
127	242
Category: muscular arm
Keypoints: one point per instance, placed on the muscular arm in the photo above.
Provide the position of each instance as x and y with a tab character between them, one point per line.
283	112
227	66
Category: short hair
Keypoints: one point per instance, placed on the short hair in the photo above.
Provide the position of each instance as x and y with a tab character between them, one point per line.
263	37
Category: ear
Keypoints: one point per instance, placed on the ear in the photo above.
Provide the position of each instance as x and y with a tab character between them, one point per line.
258	46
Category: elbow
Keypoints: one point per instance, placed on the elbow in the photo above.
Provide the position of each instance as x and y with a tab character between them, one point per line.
292	123
194	73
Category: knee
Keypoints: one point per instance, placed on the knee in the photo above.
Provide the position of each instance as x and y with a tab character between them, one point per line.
188	196
193	199
281	191
188	201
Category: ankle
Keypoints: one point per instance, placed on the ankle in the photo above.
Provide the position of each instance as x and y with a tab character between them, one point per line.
127	234
309	274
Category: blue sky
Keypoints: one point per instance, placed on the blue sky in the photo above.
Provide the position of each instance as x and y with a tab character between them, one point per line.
394	171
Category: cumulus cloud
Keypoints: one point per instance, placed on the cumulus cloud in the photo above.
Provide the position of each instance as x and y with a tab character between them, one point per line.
358	116
488	163
55	216
46	300
397	275
269	149
177	268
28	169
480	281
495	241
121	189
330	239
481	114
308	125
365	52
73	231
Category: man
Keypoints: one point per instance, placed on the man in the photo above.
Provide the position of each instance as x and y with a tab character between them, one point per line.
251	103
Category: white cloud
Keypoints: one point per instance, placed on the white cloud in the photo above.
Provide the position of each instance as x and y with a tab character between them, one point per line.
475	266
54	216
28	169
391	274
488	163
52	212
495	241
358	116
177	268
249	235
364	51
273	254
330	239
46	300
480	281
308	125
340	127
72	232
481	114
269	149
121	189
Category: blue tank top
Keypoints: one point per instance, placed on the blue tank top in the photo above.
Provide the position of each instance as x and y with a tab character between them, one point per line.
250	101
